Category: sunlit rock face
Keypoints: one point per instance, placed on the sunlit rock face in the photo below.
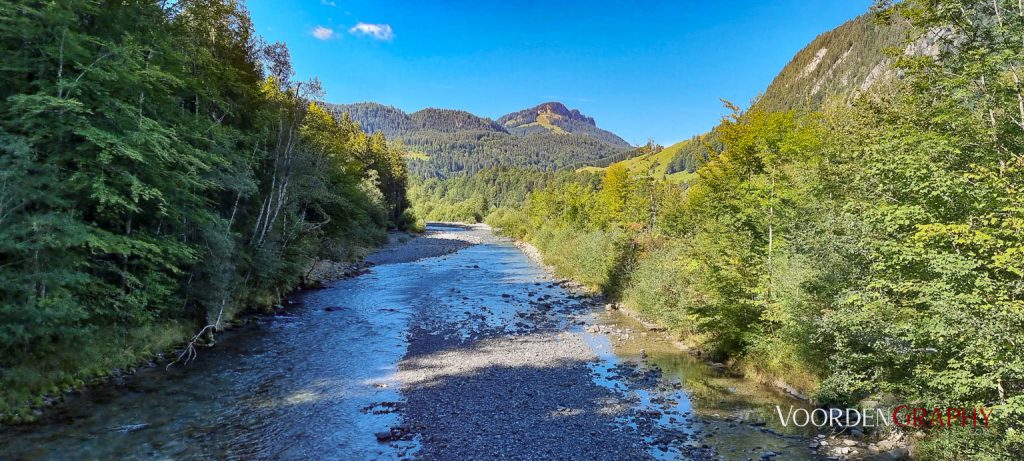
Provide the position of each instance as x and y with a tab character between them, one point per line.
554	117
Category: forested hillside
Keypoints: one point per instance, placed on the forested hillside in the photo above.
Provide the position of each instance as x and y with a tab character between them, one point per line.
836	67
470	197
675	163
452	121
455	142
161	171
867	252
376	118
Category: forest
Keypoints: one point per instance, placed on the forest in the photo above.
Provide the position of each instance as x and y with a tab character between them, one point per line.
867	252
453	142
161	171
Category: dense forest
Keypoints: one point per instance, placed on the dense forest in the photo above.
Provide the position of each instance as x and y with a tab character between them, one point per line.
866	253
452	142
471	197
161	171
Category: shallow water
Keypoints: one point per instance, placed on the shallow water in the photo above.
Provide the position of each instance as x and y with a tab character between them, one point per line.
319	382
695	397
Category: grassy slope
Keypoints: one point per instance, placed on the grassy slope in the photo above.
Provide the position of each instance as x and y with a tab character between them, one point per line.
544	121
413	154
653	164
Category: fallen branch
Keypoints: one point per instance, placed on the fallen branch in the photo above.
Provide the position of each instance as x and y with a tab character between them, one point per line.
189	353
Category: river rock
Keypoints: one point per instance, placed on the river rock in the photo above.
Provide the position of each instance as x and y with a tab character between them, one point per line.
898	454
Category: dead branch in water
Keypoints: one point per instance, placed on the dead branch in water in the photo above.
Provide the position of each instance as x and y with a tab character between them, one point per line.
189	353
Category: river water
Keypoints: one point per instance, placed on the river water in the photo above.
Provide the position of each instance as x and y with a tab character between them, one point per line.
321	380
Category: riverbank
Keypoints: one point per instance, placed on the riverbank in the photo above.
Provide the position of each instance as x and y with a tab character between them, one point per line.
442	239
843	445
474	353
42	381
45	381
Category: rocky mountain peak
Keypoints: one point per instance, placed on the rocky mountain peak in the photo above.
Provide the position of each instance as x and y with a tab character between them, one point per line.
555	110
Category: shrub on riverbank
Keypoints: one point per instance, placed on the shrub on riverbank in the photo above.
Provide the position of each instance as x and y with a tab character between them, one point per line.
47	373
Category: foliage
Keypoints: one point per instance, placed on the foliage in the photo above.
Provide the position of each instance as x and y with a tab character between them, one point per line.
161	171
471	197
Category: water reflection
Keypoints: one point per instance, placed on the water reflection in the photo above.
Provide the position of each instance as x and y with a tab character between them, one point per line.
687	396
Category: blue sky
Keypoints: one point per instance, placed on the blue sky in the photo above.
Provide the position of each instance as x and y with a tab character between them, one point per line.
641	69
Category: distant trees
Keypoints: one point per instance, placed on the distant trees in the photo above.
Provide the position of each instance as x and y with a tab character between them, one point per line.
375	118
160	170
470	198
695	153
472	151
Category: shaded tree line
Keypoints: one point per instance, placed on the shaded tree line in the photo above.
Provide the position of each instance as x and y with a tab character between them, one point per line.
471	197
160	171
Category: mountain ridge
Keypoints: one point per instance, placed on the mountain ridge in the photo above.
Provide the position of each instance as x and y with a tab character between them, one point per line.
548	136
555	117
838	65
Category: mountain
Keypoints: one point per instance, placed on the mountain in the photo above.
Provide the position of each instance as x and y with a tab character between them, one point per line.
453	121
447	142
554	117
377	118
838	65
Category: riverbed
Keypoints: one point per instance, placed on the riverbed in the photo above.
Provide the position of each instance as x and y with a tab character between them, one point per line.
453	345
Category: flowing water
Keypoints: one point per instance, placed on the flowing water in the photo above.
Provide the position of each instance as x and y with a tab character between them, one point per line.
320	381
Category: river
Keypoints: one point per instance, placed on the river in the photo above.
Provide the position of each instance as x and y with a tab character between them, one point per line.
476	354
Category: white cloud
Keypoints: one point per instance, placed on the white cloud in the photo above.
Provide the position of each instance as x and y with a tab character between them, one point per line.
377	31
323	33
328	3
